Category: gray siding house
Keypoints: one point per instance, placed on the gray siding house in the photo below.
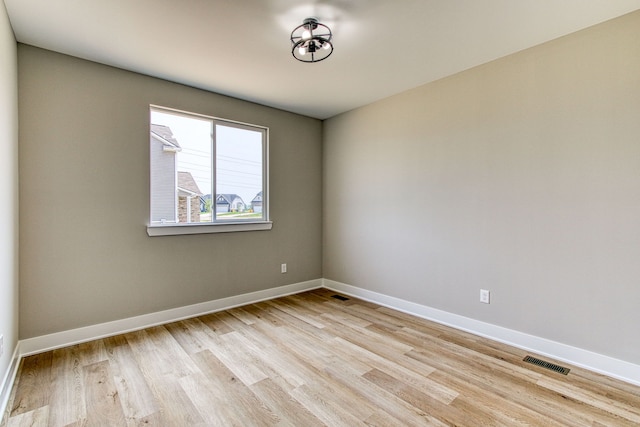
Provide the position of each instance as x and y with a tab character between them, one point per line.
164	179
175	196
256	203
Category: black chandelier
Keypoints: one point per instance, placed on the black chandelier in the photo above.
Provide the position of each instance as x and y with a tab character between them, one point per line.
311	41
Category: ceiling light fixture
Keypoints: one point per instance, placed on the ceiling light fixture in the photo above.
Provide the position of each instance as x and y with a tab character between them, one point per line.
311	41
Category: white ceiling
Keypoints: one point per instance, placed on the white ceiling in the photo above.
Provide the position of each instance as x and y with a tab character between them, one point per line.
241	48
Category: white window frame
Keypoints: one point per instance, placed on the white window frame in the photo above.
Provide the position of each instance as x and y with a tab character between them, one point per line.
218	226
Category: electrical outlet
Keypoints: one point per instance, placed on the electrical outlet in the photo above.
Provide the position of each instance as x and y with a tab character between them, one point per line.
1	344
484	296
283	268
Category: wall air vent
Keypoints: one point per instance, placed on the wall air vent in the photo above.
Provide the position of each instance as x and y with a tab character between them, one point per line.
547	365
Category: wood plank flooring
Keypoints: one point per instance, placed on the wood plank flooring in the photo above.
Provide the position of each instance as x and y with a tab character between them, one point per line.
308	360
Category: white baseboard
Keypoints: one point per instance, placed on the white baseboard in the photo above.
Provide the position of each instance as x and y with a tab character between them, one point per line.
8	381
75	336
599	363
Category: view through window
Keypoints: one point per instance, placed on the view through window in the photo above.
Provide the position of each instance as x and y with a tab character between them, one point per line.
206	170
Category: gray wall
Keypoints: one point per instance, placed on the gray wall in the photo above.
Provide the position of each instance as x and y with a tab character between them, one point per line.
84	200
8	192
521	176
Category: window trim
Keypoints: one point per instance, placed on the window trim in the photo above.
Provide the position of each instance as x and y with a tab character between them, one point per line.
206	228
219	226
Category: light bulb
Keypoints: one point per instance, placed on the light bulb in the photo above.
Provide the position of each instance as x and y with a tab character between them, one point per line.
306	35
302	50
326	46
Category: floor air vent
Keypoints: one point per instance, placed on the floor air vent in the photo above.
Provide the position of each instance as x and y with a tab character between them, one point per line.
547	365
340	297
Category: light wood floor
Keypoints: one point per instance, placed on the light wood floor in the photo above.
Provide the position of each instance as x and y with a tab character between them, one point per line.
308	360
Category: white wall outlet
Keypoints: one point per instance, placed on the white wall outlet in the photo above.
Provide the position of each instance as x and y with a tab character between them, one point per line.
484	296
1	344
283	268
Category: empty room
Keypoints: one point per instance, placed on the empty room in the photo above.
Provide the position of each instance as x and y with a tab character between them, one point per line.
309	213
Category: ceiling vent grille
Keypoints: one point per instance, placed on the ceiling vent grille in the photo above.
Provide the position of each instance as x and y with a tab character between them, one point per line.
547	365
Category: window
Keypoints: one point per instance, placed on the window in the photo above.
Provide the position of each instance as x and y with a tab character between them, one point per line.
207	174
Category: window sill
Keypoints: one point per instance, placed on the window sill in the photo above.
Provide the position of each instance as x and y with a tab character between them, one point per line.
176	230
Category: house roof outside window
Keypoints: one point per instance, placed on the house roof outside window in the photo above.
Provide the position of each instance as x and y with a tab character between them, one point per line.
187	184
164	135
228	198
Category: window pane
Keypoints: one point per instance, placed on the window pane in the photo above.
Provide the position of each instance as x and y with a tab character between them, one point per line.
239	176
180	168
206	170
